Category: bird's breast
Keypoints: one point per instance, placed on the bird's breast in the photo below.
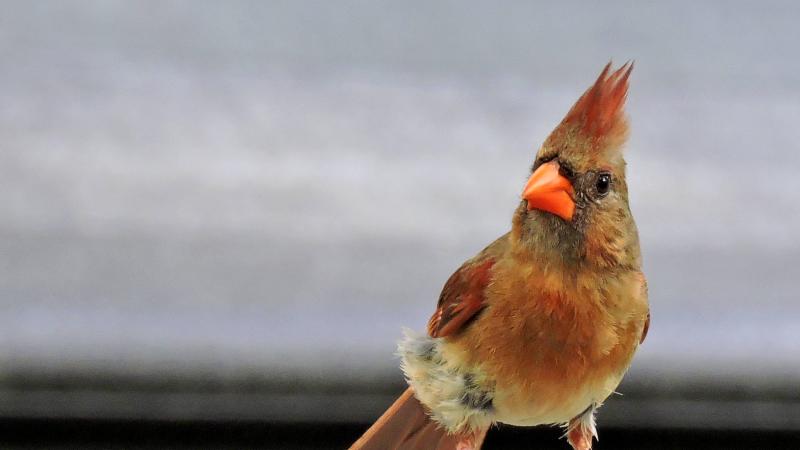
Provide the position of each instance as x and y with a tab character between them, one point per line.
553	350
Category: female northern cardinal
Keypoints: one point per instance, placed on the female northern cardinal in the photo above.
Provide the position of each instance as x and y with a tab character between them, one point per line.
540	326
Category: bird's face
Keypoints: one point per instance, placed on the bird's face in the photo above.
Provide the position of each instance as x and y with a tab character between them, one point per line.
574	196
576	199
568	205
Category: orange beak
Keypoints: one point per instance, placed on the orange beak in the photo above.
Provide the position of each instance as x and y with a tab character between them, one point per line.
549	191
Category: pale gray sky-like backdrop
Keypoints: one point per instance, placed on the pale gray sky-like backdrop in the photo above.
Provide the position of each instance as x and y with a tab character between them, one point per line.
228	193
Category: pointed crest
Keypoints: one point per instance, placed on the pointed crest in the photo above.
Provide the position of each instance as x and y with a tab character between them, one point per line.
599	111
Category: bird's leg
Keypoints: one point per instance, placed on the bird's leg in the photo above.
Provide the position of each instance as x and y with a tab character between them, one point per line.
581	430
472	440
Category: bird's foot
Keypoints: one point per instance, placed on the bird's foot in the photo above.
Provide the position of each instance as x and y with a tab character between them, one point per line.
581	430
471	441
579	440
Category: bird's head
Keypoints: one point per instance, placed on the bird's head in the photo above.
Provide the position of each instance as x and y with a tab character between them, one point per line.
575	202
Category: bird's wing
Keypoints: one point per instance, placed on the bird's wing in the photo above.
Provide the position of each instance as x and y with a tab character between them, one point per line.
646	329
462	297
643	288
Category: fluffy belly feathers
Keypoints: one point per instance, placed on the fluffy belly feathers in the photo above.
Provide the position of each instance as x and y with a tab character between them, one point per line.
527	384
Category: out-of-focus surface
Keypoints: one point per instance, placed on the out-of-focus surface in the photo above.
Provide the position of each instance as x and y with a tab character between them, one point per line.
105	435
230	209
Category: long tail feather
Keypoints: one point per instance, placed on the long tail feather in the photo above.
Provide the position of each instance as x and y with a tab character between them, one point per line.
407	426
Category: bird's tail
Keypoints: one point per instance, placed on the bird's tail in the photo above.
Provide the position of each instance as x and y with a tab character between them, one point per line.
406	425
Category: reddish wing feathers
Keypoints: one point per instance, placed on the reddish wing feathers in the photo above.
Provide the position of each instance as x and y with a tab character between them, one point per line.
462	297
646	329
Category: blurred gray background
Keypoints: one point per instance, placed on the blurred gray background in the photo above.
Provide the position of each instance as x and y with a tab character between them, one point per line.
228	210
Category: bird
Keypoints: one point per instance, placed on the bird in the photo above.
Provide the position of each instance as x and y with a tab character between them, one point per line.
540	326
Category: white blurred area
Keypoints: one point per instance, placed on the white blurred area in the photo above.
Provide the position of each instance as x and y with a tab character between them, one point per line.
264	193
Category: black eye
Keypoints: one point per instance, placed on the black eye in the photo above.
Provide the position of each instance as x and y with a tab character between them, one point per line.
603	183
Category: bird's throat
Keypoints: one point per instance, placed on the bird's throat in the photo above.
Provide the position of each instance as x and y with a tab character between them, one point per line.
541	235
